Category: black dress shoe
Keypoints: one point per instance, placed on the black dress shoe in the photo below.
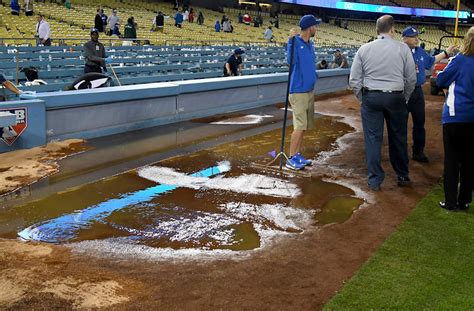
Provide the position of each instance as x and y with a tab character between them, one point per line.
463	206
449	208
403	181
420	157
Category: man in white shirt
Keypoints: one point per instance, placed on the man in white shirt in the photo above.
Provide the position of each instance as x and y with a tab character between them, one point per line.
42	28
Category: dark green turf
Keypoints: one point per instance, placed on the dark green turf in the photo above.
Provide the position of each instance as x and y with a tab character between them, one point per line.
427	263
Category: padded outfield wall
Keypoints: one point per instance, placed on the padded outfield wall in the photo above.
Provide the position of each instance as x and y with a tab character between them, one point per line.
101	112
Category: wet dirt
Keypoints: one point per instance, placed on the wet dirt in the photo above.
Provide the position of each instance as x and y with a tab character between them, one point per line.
221	215
302	272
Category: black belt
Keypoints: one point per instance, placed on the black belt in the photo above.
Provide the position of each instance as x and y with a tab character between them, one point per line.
366	90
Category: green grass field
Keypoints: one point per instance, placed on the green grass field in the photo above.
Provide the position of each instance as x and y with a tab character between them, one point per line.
427	263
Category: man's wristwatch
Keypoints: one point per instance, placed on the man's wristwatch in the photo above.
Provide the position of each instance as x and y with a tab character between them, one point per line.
446	55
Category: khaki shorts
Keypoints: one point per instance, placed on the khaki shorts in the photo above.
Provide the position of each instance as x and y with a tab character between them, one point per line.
303	110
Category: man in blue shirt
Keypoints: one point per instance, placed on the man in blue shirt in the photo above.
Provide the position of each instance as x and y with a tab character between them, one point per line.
303	78
416	104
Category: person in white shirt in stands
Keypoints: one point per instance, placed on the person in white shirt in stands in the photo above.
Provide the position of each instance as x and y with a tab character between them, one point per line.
42	28
28	7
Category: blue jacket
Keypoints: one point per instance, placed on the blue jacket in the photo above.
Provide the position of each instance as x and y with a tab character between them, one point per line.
303	76
178	18
458	76
422	61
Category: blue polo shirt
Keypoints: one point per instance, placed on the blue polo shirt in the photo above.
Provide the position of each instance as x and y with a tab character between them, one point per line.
303	76
422	61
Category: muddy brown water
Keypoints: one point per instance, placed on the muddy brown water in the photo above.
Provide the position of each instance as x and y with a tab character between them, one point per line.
133	209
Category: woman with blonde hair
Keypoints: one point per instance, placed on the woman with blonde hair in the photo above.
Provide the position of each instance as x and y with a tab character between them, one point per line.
458	127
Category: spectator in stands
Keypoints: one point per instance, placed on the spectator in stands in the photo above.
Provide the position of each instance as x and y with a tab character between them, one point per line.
276	21
340	61
233	66
247	19
268	34
114	22
15	7
303	79
191	15
43	31
323	64
104	19
226	26
458	127
345	24
240	18
159	22
94	54
200	19
130	30
28	6
383	77
223	19
217	26
178	19
98	22
185	15
416	104
67	4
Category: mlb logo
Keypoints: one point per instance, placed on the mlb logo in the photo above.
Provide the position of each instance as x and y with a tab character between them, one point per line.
11	133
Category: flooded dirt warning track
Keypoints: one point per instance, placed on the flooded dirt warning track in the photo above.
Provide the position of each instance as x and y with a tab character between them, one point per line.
181	190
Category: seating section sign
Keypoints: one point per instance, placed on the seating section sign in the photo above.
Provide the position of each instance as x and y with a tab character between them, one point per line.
11	133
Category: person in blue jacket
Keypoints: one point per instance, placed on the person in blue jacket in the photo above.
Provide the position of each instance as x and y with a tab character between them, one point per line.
178	19
303	78
458	127
416	104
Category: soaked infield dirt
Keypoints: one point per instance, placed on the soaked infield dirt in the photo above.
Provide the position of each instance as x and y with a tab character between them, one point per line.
301	271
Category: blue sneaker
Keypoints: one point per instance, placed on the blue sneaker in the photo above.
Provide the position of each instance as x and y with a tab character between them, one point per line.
294	164
299	157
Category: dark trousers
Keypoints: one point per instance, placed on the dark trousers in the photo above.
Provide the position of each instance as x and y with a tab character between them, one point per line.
377	107
458	141
416	106
88	68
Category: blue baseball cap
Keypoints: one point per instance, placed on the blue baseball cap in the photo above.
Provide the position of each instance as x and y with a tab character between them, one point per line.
308	21
410	32
239	51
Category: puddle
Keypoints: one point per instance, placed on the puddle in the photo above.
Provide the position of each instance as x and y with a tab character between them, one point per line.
209	200
338	210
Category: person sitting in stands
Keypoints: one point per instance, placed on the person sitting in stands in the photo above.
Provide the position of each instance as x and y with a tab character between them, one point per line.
217	26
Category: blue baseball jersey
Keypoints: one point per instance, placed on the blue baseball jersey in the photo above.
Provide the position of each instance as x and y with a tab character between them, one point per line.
422	61
303	76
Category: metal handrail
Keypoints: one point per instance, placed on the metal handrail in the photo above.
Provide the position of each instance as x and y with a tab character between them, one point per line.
140	41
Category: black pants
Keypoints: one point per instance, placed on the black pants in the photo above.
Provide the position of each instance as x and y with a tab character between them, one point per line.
458	141
416	106
391	107
88	68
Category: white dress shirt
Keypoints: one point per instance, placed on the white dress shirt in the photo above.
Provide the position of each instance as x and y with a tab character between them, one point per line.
43	29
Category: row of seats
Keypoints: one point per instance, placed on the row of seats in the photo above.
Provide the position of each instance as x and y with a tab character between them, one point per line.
134	65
